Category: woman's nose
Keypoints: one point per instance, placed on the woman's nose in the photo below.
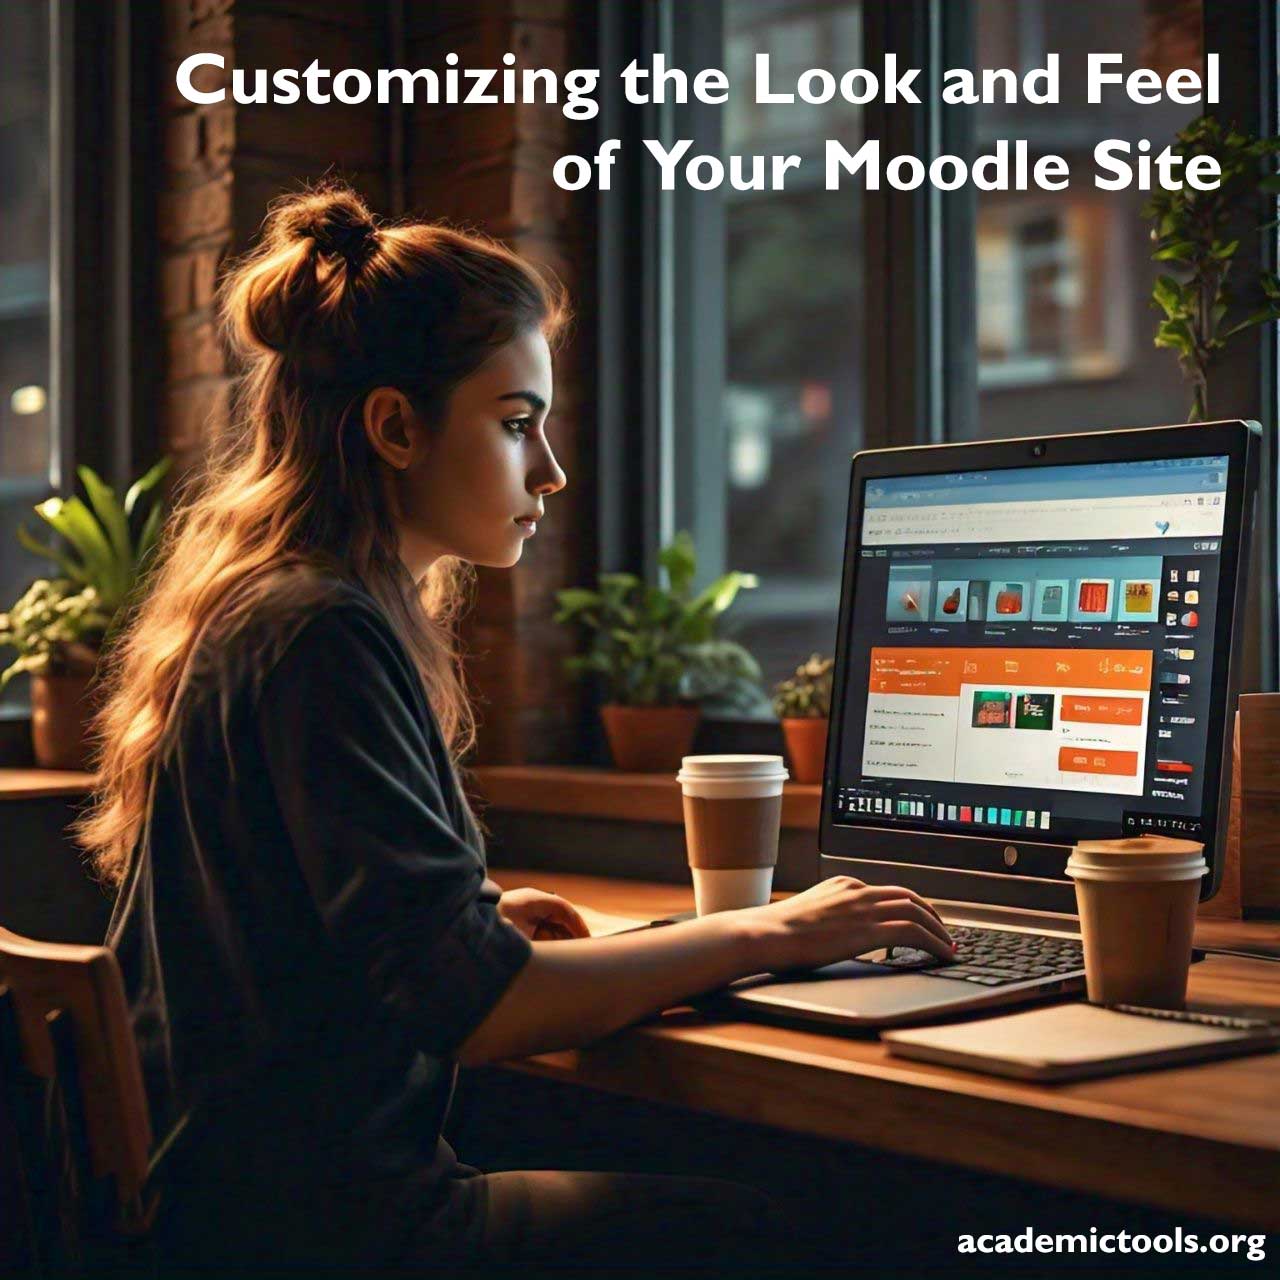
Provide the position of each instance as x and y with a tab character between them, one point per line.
547	477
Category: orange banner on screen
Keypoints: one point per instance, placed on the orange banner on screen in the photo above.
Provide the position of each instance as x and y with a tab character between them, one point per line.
941	672
1102	710
1084	760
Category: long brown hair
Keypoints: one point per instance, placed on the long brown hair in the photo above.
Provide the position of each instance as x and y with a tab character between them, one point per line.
326	307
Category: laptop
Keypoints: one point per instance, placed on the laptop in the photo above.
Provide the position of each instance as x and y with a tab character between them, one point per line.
1038	643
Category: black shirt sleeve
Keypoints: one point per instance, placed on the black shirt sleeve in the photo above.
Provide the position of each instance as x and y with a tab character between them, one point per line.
355	761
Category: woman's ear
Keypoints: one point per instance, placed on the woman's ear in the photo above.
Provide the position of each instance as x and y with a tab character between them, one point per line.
392	427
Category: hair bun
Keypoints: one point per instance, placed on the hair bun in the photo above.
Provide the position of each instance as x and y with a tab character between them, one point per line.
333	216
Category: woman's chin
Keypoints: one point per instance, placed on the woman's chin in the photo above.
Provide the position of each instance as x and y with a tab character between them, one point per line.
506	558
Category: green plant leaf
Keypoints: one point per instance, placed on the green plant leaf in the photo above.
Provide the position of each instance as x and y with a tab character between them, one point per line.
1176	334
717	597
1179	251
628	639
110	515
73	520
588	662
145	484
149	536
1167	293
68	566
680	562
1258	317
35	663
578	598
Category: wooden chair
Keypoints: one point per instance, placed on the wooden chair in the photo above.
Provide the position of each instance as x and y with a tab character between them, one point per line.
74	1109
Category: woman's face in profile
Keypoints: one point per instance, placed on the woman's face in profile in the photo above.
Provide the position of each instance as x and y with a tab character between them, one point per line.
476	486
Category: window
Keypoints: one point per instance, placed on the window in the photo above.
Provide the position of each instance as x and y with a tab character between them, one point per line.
790	328
1062	279
792	400
28	447
78	355
753	324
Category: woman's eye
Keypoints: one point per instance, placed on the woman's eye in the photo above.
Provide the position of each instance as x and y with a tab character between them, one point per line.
520	426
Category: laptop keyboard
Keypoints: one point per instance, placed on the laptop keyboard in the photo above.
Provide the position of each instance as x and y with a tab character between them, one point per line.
994	957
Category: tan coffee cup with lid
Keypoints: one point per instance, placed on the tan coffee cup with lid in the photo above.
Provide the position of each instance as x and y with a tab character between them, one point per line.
1137	901
732	816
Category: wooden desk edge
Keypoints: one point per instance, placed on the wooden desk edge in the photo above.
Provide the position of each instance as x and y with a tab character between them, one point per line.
951	1122
1059	1135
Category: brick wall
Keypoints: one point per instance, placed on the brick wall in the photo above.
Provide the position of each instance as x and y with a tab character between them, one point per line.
490	166
222	163
487	167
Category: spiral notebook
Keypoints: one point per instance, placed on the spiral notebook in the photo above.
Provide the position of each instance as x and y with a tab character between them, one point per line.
1078	1040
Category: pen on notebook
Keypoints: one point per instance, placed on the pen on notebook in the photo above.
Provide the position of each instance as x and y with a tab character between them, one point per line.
1232	1021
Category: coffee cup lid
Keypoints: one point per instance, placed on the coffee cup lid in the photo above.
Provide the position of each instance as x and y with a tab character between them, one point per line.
1136	851
1140	856
713	768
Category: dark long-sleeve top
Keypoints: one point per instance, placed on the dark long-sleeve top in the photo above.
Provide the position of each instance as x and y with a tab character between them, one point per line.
307	932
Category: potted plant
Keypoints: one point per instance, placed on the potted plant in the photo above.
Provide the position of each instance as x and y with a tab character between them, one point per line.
803	704
60	624
657	652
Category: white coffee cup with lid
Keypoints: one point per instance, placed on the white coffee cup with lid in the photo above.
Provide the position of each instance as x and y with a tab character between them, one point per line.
732	818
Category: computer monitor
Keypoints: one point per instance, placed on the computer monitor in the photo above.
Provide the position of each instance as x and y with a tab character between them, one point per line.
1038	643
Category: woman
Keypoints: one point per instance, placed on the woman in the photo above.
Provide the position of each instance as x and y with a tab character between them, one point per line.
308	936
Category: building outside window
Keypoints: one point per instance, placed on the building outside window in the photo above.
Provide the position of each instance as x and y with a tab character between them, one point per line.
1063	279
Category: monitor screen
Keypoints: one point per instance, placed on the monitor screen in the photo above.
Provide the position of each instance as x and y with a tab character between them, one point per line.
1031	651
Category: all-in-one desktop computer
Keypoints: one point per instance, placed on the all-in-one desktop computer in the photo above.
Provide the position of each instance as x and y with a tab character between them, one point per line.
1038	643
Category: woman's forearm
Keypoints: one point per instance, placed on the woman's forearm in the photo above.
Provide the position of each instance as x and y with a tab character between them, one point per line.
576	991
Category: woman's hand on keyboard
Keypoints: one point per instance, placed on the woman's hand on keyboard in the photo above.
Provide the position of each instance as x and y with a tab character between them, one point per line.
843	917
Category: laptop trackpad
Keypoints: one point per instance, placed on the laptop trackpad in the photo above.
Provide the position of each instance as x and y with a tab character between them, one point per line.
841	969
852	992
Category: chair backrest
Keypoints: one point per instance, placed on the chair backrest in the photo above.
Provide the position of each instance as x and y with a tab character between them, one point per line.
50	984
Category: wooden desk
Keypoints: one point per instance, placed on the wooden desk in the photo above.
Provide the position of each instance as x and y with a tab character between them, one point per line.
1204	1140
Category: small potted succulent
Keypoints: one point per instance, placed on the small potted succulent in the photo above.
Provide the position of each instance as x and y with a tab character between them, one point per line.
60	624
657	653
803	704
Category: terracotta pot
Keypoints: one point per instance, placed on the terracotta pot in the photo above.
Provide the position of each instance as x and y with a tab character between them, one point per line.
61	708
806	739
649	739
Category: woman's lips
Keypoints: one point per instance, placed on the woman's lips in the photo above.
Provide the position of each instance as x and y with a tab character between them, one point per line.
528	524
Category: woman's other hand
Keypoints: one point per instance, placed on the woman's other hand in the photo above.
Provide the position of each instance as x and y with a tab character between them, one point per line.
543	917
841	918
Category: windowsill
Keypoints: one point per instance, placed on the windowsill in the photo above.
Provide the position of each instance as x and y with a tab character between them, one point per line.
37	784
576	791
566	790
